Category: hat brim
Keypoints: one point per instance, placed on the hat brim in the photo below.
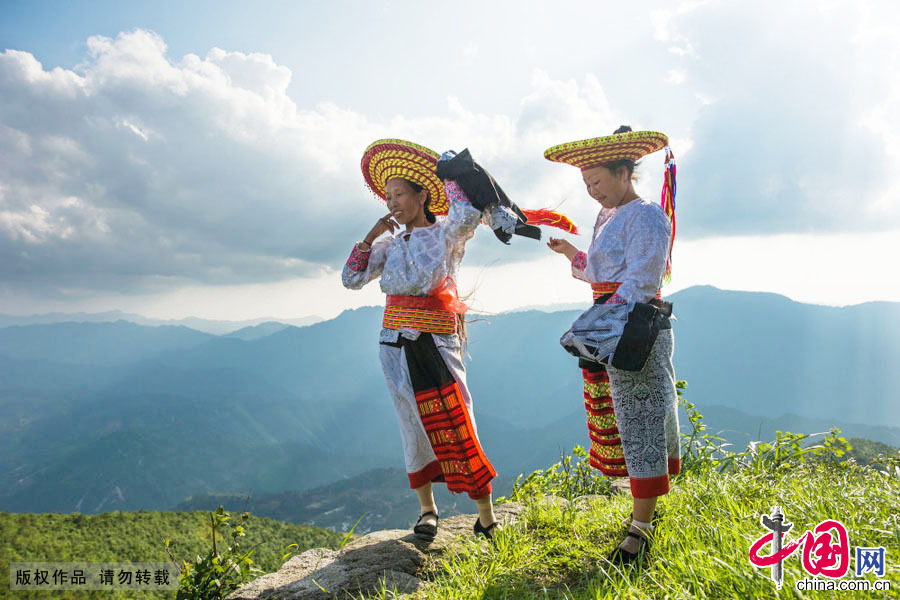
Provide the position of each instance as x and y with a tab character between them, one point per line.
387	159
594	152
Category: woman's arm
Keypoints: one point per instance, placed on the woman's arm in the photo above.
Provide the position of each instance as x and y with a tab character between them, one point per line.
366	261
363	266
575	256
462	217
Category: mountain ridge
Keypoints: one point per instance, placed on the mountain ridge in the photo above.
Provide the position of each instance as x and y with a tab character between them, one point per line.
282	395
211	326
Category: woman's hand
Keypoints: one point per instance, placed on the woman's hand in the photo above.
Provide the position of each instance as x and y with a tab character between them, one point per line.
384	224
562	247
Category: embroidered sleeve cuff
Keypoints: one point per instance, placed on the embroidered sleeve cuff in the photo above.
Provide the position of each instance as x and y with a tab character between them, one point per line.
359	259
454	192
616	299
579	261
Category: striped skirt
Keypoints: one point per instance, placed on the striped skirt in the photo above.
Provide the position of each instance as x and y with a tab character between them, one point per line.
426	378
606	446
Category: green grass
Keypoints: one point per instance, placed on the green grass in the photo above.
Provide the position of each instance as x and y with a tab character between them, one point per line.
138	536
701	544
570	523
700	548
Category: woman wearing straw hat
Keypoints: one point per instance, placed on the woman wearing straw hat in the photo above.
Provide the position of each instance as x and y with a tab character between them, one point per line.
632	415
420	340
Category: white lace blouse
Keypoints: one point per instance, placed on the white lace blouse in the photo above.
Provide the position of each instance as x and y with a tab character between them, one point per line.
630	245
416	266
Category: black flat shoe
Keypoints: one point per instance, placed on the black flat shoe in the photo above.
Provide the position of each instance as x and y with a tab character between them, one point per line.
622	556
426	531
488	531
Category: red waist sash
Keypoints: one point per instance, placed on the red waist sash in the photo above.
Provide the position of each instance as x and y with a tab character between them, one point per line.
435	313
605	288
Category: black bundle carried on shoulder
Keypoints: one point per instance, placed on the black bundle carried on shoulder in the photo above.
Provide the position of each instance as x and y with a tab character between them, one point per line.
506	219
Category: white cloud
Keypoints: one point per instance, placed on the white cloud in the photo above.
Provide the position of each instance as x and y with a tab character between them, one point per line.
704	99
133	128
30	226
801	267
137	171
836	269
141	172
202	170
665	28
794	130
676	76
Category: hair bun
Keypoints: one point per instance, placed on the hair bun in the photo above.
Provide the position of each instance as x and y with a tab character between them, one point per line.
622	129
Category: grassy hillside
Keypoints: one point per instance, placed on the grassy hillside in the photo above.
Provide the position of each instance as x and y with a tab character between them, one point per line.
701	545
868	452
571	523
138	536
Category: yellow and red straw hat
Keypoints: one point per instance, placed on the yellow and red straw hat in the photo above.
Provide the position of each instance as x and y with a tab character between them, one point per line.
386	159
585	154
629	145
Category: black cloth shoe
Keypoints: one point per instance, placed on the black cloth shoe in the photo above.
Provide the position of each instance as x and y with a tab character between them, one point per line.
624	556
488	531
426	531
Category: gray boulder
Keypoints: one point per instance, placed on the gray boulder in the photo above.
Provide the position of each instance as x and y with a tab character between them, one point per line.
391	559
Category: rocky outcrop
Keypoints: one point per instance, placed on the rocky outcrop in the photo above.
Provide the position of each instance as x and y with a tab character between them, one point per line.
392	559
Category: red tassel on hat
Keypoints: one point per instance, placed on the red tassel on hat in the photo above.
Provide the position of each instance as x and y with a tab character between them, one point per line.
668	204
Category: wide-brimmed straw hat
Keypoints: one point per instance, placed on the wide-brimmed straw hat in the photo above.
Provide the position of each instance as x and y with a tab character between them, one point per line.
593	152
628	145
386	159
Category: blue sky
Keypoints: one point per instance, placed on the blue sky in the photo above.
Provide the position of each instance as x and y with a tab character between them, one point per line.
202	159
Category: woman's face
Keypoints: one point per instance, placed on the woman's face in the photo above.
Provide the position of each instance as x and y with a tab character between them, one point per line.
605	187
404	203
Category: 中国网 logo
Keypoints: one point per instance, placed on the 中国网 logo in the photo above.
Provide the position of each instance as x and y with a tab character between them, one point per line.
825	553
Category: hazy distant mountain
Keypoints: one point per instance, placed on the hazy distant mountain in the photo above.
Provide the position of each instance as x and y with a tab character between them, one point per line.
256	332
98	344
205	325
739	427
118	415
767	355
381	498
759	353
376	499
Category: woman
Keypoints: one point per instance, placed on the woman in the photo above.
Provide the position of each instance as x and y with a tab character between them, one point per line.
635	432
420	340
